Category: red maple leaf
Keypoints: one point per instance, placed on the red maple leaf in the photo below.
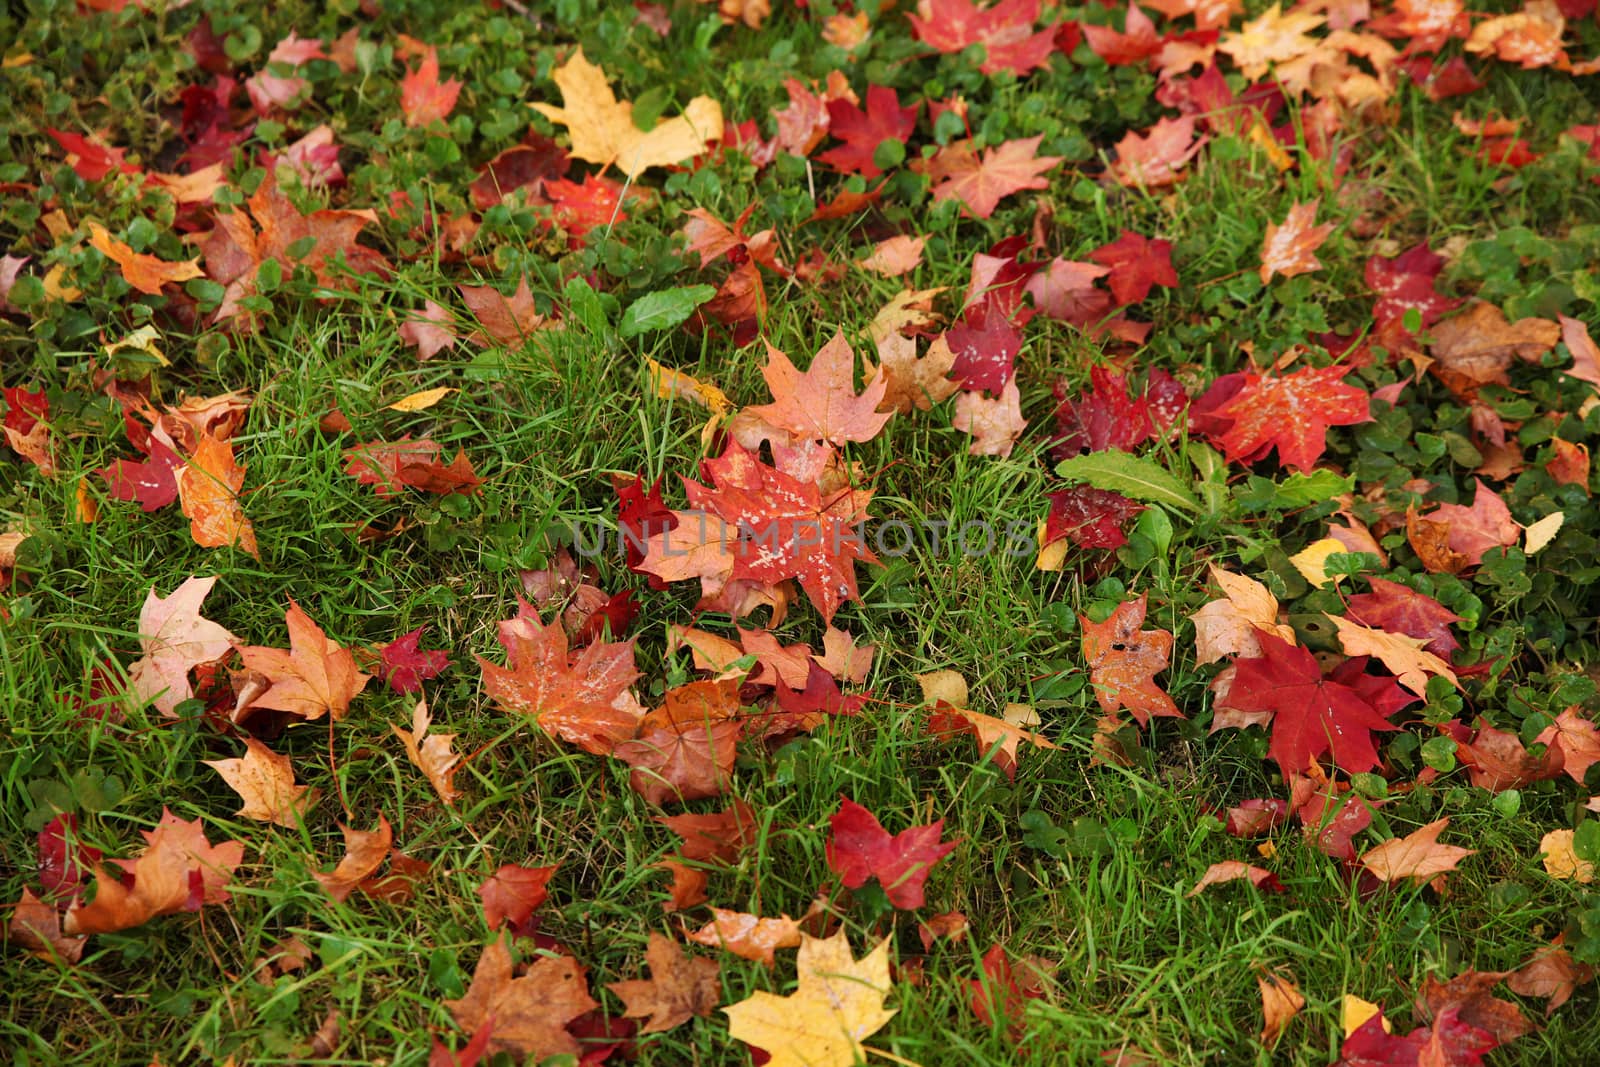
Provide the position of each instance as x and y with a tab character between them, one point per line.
423	97
1137	263
861	848
94	161
405	666
1156	157
785	528
1402	610
1090	518
1449	1042
985	344
1137	43
1104	416
1311	714
580	697
862	131
65	862
153	482
641	514
525	166
583	206
1291	413
1409	280
512	893
389	465
998	995
1005	31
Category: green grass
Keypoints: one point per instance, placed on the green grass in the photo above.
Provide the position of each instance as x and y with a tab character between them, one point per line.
1133	960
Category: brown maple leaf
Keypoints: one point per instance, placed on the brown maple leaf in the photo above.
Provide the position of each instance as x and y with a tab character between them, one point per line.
502	320
36	926
264	780
364	852
582	698
1475	347
681	763
1281	1001
915	382
680	987
315	676
527	1015
821	403
1467	994
1124	660
430	753
1418	856
1289	248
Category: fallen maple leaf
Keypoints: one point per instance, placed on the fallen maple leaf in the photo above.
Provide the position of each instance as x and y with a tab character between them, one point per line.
1272	37
1280	1003
1137	263
389	465
860	848
208	493
1292	413
364	852
1577	739
527	1016
144	272
862	131
1124	660
894	256
1135	43
680	987
602	130
1558	850
174	639
179	870
1475	348
35	925
748	936
431	753
684	762
1005	30
1311	714
27	427
958	173
512	893
1401	609
315	676
1228	626
430	331
1468	532
424	99
264	780
1418	856
582	698
1236	871
838	1004
821	404
502	320
995	423
948	716
405	666
1157	157
716	837
1552	974
1467	997
1288	248
1405	657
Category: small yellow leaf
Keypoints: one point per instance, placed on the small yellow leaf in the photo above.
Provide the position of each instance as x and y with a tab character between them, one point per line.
946	687
1052	556
57	289
1313	561
146	340
1561	859
1354	1012
421	401
1541	533
671	383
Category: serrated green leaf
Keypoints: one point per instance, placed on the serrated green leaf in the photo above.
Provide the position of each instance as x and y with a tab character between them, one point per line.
664	309
1140	479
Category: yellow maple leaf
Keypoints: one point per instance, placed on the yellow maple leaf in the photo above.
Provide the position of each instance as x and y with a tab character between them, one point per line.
822	1024
602	129
1403	655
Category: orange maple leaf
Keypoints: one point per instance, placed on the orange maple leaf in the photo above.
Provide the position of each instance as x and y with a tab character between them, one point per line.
313	677
179	870
208	493
583	698
958	173
144	272
1289	246
820	404
1124	660
1418	856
